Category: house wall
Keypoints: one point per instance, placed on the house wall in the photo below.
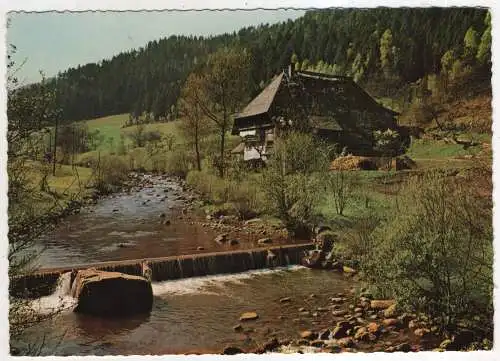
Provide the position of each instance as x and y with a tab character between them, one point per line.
253	153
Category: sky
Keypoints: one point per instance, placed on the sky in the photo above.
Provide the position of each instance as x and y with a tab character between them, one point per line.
54	41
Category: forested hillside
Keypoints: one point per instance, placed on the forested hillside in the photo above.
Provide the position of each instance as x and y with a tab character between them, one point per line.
392	46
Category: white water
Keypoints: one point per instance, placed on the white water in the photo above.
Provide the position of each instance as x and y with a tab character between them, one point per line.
60	300
206	284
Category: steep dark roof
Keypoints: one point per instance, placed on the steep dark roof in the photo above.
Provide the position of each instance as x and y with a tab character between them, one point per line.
261	103
256	112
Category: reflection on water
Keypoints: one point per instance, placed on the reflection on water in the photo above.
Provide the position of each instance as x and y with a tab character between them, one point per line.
199	314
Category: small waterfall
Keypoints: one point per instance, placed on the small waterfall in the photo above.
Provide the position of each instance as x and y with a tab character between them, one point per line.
181	273
169	268
210	285
58	301
252	260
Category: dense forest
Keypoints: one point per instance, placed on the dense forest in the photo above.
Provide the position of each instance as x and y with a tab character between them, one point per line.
395	46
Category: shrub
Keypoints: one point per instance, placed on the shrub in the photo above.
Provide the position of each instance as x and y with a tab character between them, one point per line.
177	163
244	196
436	255
110	172
388	143
340	184
289	182
246	200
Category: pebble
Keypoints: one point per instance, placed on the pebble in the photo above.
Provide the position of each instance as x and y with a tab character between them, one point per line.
248	316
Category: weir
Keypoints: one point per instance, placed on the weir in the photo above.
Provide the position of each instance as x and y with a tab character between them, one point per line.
43	282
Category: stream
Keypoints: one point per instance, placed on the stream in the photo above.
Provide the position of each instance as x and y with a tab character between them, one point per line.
196	315
128	225
188	315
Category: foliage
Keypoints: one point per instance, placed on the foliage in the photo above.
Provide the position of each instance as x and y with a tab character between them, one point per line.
27	119
244	196
340	185
110	172
484	49
195	126
471	43
290	182
388	142
220	90
436	256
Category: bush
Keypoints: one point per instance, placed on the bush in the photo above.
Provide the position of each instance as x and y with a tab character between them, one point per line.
436	255
110	172
177	163
290	183
243	196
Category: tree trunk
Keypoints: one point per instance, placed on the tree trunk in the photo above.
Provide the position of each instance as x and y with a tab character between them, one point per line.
55	148
222	146
197	149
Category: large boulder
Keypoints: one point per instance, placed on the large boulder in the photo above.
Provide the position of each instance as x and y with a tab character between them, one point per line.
111	294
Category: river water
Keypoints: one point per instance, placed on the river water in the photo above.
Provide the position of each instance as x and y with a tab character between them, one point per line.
127	225
189	315
197	315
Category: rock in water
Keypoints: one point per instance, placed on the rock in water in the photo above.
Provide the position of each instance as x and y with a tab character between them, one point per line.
102	293
248	316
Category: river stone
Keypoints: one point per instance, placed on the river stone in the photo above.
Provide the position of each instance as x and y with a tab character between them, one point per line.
345	342
337	299
221	238
232	350
381	304
373	328
248	316
264	241
200	248
285	299
339	313
102	293
308	335
391	322
233	242
238	327
390	312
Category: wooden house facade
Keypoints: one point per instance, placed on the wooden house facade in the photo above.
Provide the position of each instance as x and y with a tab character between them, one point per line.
333	108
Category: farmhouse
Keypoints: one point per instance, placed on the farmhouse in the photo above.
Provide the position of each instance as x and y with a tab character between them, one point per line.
333	108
